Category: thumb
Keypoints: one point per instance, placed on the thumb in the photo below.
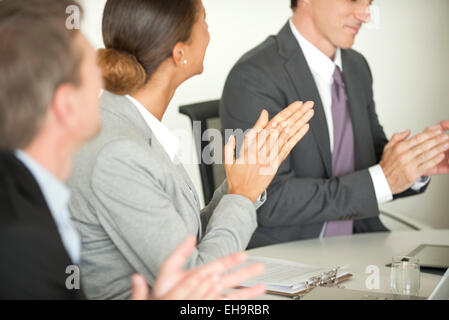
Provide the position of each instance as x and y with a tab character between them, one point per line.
140	288
230	151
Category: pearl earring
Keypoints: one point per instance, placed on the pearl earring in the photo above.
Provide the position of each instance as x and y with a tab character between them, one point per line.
185	61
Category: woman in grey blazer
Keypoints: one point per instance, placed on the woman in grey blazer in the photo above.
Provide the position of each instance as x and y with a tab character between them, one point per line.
132	203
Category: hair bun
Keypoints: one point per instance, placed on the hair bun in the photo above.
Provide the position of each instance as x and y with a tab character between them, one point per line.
122	73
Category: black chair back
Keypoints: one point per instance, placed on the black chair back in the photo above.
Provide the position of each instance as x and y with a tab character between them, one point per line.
207	113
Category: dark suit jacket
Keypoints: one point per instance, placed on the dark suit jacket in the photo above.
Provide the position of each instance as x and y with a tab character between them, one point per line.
33	259
304	194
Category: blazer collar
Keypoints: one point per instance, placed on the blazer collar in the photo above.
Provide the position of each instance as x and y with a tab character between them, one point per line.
123	108
168	140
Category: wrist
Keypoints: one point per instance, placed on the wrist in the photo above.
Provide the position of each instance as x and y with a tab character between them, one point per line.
242	193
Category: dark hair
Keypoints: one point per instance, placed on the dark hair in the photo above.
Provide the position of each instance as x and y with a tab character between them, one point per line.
37	54
139	35
294	4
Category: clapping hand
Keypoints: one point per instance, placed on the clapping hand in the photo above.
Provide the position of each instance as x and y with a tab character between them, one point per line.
208	282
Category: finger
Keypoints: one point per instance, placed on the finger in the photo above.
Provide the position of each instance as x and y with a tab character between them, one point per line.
288	112
286	120
264	136
270	142
302	122
236	278
271	157
247	293
438	141
427	155
249	149
186	287
250	140
420	138
303	117
288	147
262	121
251	135
230	151
292	124
207	289
444	125
441	169
276	143
430	164
176	260
293	120
397	137
434	127
139	288
299	121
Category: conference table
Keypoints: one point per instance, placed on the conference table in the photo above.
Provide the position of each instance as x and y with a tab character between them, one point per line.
359	252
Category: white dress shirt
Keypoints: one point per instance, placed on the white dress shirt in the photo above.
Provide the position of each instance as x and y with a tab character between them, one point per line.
168	140
57	197
323	69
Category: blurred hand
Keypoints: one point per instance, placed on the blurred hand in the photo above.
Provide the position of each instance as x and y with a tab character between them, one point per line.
443	166
140	288
203	283
404	160
264	148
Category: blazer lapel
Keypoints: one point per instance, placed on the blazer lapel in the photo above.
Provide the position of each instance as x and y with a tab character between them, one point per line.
178	167
359	115
304	83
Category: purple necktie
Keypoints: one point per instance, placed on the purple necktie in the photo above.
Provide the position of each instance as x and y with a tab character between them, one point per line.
343	155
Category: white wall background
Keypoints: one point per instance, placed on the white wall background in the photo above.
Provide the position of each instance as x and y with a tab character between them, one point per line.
408	53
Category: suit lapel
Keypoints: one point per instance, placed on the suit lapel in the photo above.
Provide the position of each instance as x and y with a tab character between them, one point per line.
359	116
304	83
178	167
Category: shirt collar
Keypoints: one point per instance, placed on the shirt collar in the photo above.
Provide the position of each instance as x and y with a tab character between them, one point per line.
56	193
319	63
166	138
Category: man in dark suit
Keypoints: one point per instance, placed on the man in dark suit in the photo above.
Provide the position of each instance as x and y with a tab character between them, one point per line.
49	107
34	260
336	177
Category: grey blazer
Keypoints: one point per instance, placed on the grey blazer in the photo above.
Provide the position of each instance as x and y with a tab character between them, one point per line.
133	206
304	193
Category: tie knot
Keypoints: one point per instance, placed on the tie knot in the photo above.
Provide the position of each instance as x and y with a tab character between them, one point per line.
338	77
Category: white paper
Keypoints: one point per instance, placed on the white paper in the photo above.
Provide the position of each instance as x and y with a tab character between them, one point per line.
286	276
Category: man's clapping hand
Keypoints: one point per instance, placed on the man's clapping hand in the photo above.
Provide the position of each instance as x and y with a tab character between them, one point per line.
207	282
406	159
